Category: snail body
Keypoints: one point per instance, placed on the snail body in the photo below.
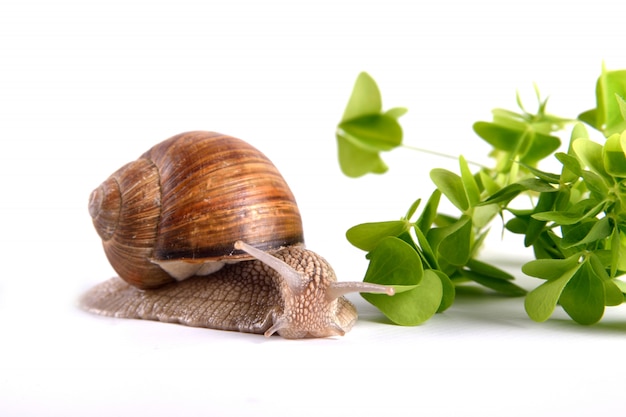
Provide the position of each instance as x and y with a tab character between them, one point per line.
204	231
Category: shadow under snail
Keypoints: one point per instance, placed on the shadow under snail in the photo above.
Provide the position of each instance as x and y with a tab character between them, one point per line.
204	231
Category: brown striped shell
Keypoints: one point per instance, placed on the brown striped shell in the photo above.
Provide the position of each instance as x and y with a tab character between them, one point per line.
178	210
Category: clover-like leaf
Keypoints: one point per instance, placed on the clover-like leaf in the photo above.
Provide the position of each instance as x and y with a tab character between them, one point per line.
614	155
502	286
590	153
447	287
419	296
559	217
426	219
542	175
540	147
455	241
375	132
571	164
608	115
583	296
411	211
537	184
365	99
572	169
587	232
550	269
521	139
505	194
596	185
504	138
356	162
613	295
364	131
396	112
469	183
367	236
415	304
541	302
535	225
451	185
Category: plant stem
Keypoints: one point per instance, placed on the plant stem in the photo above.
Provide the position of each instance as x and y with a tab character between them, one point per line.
443	155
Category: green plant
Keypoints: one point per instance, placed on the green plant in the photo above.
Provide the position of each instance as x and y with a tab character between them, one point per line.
576	223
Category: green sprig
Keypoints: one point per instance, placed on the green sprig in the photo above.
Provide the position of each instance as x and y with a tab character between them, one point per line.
576	224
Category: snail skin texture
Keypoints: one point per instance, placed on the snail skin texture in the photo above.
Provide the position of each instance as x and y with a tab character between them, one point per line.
204	231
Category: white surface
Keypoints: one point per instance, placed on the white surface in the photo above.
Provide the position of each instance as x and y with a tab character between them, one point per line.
86	86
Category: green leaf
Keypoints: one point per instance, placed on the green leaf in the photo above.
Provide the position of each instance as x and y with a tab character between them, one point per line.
398	289
356	162
365	98
569	163
455	247
496	284
451	185
506	194
429	213
615	251
607	116
614	156
540	147
367	236
488	183
583	296
620	284
579	131
572	170
613	295
364	132
596	185
559	217
583	209
469	183
411	211
488	270
394	262
542	175
483	214
622	105
517	225
396	112
550	269
539	185
510	119
590	153
412	307
500	137
541	301
448	290
591	231
521	139
426	250
374	132
535	225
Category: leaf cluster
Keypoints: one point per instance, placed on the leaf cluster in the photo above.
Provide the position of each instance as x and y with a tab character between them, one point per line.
365	130
576	224
578	231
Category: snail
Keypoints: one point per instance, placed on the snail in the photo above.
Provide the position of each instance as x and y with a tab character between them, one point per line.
204	231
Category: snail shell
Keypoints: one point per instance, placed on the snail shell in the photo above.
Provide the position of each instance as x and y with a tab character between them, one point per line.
177	210
204	231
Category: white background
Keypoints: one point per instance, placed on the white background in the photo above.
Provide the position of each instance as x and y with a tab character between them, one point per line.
86	86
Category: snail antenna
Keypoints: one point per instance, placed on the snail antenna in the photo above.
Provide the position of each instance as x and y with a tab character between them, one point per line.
292	278
337	289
